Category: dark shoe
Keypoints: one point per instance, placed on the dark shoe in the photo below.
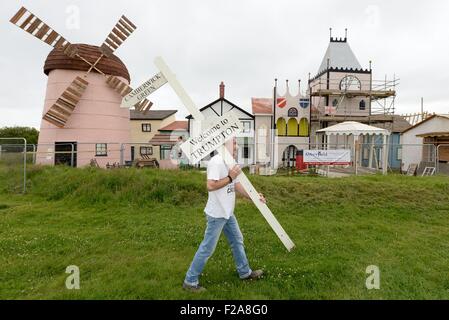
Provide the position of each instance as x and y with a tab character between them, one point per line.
255	275
195	289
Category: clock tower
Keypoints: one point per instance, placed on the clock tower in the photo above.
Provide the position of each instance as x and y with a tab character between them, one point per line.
341	90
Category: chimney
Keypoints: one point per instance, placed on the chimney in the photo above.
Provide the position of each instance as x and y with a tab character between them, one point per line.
222	90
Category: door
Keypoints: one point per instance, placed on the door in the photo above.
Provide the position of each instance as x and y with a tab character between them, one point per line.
65	153
289	157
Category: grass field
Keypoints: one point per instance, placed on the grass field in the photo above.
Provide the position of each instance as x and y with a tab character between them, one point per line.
133	234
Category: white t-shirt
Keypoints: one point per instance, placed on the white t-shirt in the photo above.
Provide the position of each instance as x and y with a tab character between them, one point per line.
221	202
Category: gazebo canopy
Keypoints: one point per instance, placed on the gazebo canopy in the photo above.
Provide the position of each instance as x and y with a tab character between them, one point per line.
354	128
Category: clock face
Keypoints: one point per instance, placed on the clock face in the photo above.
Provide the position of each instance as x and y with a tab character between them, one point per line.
350	83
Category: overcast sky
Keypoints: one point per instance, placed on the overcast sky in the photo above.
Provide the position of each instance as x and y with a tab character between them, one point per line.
244	43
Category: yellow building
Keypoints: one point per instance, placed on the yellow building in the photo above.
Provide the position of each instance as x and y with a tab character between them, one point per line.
143	128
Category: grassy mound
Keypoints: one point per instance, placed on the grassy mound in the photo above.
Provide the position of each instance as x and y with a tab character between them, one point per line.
133	234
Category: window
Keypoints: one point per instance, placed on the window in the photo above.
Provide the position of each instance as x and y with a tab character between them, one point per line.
292	127
101	150
281	127
292	112
146	151
165	152
146	127
246	126
362	105
399	154
335	103
245	149
303	127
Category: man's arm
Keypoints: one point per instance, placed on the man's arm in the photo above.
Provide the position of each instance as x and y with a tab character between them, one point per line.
213	185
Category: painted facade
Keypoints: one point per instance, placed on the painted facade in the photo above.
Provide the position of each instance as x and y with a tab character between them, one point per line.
95	129
143	129
286	123
423	140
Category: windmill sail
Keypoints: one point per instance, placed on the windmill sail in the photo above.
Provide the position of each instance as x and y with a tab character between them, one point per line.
123	89
28	22
59	113
122	30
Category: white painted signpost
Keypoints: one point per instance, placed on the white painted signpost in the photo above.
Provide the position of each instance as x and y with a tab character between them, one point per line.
211	139
139	94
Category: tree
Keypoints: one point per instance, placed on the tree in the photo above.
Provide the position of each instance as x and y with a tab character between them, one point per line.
29	133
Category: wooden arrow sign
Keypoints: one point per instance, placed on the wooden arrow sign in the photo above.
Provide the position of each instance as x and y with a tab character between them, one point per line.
229	160
143	91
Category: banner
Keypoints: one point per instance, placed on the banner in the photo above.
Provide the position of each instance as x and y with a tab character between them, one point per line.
327	157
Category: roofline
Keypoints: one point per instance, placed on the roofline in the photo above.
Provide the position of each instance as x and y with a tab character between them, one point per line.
332	69
425	120
172	112
222	99
434	134
332	39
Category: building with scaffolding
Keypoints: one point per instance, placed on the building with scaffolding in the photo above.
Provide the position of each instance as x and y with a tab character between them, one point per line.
342	90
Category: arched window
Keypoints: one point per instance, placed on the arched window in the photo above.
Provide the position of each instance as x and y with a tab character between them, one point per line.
281	127
292	112
362	105
292	126
334	103
303	127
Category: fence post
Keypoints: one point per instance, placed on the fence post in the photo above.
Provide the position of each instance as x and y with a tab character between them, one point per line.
34	154
71	155
24	165
122	157
437	157
384	156
356	156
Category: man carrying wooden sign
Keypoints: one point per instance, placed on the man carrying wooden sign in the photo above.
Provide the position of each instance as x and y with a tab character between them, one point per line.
195	149
222	185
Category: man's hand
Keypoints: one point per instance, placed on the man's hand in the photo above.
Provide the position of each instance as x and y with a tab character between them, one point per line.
262	198
235	171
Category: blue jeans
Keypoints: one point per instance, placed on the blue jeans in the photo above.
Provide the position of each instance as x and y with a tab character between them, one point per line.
232	232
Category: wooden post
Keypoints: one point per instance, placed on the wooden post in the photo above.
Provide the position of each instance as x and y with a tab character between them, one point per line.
385	155
356	147
371	151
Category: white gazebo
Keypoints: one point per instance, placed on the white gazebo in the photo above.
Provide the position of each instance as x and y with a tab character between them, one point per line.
357	129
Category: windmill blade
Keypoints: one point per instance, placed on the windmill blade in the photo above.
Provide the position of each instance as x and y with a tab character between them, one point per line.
59	113
28	22
122	30
123	89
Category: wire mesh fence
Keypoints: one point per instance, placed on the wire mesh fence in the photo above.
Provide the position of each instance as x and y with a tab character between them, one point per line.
13	163
284	156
